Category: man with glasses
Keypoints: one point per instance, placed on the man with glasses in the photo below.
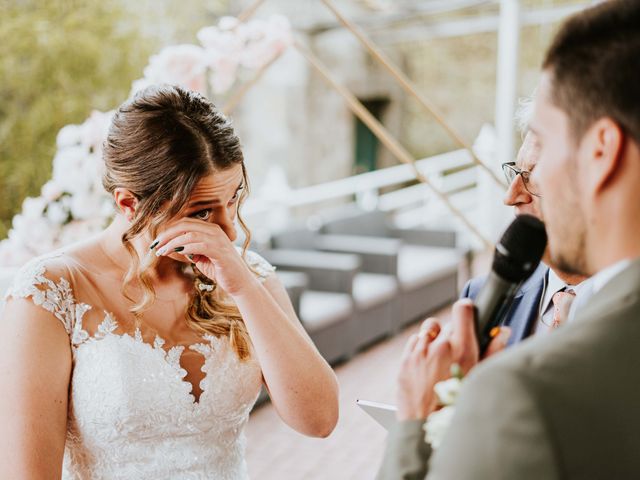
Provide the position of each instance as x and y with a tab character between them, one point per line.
563	406
542	303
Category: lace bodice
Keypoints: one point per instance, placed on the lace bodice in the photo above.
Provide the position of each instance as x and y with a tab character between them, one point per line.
131	412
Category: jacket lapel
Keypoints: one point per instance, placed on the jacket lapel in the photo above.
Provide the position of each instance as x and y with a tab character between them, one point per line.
618	293
524	310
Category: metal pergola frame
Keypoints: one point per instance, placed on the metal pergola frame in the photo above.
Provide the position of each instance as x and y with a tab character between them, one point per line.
508	43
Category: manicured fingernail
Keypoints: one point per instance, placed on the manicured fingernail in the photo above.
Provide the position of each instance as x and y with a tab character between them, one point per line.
162	251
190	256
178	249
154	244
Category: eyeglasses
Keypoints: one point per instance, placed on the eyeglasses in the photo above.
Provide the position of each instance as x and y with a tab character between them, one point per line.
511	172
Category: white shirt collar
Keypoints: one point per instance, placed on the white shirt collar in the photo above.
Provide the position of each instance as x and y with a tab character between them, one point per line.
554	283
603	277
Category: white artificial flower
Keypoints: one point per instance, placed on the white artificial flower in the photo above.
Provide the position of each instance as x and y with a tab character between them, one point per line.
33	207
279	32
223	50
108	209
437	425
139	85
92	170
217	42
182	65
14	254
51	191
68	166
265	40
95	128
448	391
56	213
79	230
36	234
86	206
69	136
228	23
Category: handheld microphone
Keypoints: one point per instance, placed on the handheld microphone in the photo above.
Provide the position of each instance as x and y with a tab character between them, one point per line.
515	258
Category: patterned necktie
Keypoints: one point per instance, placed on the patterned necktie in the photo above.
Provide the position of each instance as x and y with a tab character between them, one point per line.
561	304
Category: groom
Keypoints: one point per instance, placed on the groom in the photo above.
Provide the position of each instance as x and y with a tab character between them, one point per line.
567	405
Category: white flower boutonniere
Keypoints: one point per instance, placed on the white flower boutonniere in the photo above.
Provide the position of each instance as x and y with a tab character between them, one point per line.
438	422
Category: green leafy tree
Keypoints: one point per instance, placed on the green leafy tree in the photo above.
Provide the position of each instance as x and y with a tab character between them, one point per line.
58	61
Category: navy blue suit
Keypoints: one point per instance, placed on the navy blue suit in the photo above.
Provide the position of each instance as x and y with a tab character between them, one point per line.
524	310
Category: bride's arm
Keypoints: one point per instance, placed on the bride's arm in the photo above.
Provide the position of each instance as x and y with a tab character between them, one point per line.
35	367
302	386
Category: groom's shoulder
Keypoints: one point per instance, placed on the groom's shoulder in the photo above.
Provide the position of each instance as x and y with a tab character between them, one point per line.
567	363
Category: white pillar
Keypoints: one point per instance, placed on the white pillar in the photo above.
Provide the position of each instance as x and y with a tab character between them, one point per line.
506	88
507	76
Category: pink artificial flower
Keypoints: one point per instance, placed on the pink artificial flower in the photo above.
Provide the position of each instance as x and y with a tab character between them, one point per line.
182	65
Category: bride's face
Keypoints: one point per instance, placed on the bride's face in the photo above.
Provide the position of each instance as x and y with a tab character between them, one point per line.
215	200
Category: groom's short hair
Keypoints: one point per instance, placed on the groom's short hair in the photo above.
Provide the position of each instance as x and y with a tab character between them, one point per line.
594	63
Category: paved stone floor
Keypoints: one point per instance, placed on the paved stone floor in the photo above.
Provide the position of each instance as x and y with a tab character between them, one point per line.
353	451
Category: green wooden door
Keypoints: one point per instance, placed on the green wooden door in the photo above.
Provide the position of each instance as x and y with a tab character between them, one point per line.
366	154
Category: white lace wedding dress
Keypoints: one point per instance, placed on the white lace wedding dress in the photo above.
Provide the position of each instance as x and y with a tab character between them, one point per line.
132	414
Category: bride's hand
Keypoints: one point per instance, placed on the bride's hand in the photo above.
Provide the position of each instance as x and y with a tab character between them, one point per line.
209	248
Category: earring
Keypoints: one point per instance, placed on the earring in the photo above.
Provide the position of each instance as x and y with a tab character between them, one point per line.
205	287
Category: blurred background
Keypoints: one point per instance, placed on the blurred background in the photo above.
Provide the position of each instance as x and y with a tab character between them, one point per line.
61	59
364	247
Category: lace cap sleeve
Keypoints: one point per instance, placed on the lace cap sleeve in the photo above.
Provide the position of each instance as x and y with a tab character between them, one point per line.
43	280
259	265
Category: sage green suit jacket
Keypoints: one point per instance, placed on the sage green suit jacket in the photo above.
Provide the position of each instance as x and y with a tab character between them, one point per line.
563	406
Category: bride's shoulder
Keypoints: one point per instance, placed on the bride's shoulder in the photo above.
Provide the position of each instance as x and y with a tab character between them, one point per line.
50	274
48	282
51	268
261	267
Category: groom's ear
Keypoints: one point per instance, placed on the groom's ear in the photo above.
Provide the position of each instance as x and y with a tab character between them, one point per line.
126	202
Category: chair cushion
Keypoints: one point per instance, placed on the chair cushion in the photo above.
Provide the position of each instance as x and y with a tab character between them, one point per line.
372	289
321	309
418	265
292	279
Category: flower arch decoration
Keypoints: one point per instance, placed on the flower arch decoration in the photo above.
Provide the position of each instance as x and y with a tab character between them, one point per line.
73	204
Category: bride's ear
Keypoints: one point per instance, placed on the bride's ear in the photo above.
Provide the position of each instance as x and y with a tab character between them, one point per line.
126	202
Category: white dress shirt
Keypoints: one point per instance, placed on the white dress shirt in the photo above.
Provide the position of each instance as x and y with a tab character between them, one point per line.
553	284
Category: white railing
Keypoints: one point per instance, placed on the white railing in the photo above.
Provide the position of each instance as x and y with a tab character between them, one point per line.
454	173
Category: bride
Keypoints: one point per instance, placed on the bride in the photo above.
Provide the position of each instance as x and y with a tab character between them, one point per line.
139	353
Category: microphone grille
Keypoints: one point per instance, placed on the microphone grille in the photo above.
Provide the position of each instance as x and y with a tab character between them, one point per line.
520	249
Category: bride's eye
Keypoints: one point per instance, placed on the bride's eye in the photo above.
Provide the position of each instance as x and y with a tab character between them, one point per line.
236	195
202	214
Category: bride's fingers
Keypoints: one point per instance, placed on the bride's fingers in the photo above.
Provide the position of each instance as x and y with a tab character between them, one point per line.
185	227
195	247
210	244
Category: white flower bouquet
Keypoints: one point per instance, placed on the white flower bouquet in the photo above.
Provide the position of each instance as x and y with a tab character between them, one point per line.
438	422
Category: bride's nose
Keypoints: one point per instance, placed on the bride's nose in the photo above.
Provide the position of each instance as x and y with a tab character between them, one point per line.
226	221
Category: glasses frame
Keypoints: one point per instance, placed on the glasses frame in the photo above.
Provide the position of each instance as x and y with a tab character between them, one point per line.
525	175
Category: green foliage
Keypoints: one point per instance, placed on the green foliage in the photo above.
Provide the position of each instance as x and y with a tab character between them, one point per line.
58	61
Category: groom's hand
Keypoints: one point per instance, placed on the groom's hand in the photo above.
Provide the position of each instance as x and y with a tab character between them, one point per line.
426	361
429	355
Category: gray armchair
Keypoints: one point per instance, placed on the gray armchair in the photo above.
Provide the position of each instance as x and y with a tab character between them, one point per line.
375	287
428	261
326	307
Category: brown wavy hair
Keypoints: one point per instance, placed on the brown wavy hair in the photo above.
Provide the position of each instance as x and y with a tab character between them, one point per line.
160	145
